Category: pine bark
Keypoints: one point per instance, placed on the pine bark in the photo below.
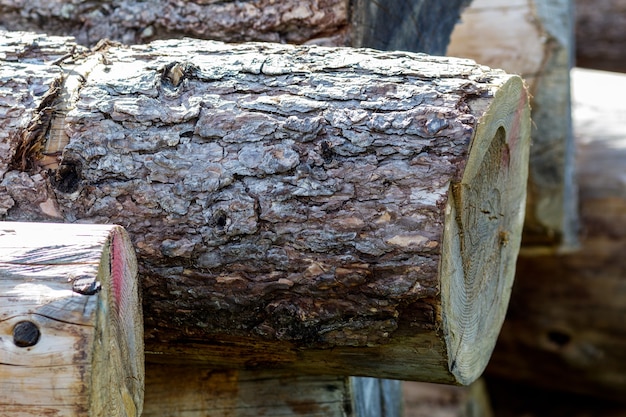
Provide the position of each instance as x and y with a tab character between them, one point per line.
320	209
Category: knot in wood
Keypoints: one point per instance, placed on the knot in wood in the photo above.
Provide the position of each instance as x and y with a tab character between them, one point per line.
25	334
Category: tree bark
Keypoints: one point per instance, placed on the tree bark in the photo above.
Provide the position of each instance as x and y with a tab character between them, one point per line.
321	209
534	38
421	26
565	327
71	334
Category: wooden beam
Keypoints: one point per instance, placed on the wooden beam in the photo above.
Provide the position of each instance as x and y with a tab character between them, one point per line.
320	209
71	333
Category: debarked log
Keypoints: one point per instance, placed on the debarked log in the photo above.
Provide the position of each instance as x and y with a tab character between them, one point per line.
71	331
329	210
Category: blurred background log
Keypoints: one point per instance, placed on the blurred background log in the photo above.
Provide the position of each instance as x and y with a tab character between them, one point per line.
600	34
566	327
534	38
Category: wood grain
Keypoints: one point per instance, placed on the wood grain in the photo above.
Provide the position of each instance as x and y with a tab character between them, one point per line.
61	280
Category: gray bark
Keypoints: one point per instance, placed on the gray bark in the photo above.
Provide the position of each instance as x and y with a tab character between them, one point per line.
307	207
420	26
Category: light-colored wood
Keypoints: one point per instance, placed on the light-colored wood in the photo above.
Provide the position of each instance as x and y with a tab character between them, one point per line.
75	287
566	327
324	210
534	39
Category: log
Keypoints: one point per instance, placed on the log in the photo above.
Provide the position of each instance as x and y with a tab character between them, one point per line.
568	332
71	333
534	39
600	35
324	210
419	26
184	390
512	399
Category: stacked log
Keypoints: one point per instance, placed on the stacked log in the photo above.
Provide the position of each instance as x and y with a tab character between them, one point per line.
315	209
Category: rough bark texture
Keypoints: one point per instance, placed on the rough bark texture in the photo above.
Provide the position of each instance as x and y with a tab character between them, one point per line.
329	209
534	38
565	327
419	26
600	35
71	334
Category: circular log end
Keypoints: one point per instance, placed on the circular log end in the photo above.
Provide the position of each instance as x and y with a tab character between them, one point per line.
484	219
120	348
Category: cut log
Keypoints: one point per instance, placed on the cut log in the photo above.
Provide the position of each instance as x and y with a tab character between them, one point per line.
178	390
417	26
420	26
565	328
534	39
326	210
600	36
71	331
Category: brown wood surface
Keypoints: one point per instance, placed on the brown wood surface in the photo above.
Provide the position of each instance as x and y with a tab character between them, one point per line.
325	209
566	326
600	36
71	333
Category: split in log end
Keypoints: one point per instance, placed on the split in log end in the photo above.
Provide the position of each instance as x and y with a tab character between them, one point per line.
484	219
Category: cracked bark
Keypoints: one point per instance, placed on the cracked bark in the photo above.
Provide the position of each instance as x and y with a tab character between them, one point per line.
317	209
